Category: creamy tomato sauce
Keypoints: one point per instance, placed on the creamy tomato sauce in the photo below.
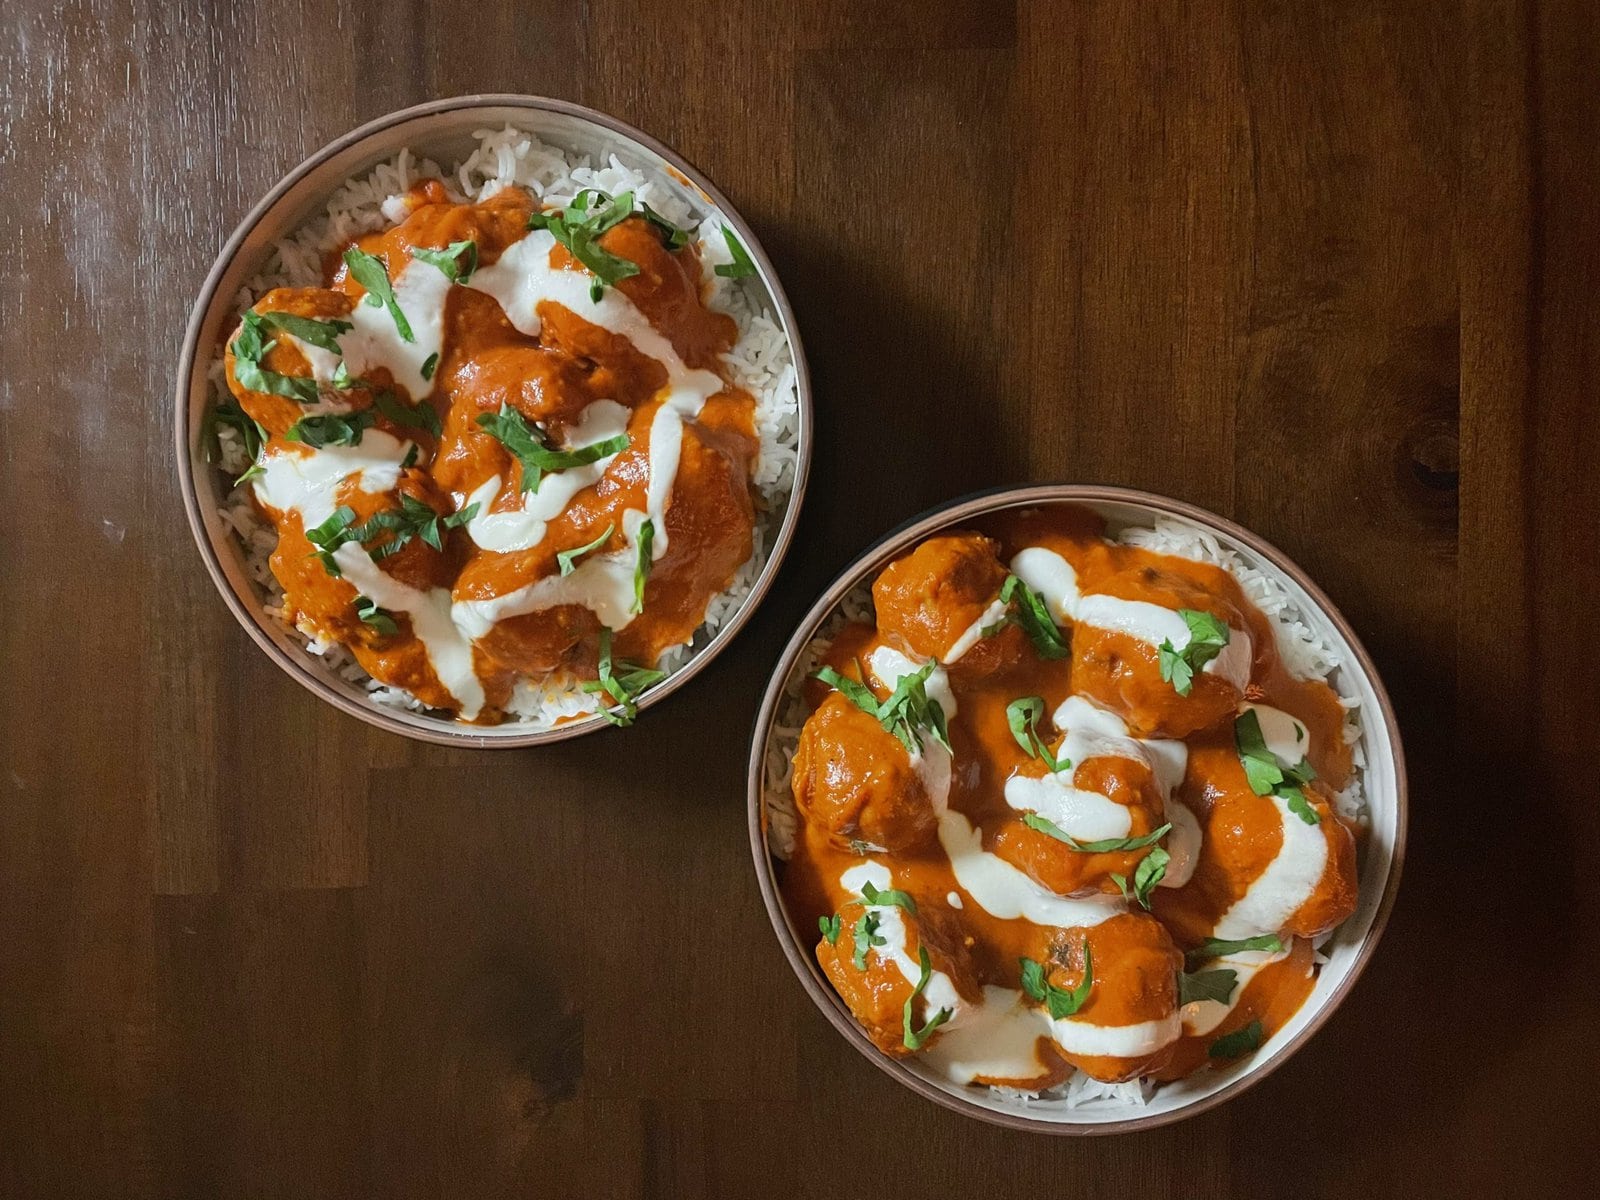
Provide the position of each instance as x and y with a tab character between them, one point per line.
494	349
1063	807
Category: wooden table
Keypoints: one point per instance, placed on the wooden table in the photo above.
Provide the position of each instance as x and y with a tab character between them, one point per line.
1327	268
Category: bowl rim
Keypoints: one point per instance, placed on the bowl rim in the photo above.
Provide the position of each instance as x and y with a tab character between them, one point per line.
901	537
404	722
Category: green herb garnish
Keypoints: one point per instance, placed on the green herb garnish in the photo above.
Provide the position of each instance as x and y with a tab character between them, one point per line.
378	618
1215	985
323	334
1207	637
1031	612
914	1037
888	896
250	346
330	535
1219	948
1062	1002
830	928
1023	717
414	518
420	416
670	233
579	231
330	429
458	260
906	714
742	265
1267	773
514	433
866	937
252	436
430	365
567	559
1104	846
854	690
621	682
370	273
1152	869
1240	1041
641	569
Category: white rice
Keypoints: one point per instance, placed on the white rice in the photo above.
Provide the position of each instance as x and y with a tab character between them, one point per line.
1305	652
761	362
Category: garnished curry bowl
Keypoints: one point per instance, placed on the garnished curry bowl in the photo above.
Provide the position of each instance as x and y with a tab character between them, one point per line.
493	422
1076	809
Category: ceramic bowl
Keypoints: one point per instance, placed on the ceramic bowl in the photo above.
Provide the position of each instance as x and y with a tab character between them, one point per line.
1347	951
443	131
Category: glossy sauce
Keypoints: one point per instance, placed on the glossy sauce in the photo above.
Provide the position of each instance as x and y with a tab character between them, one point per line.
522	332
947	826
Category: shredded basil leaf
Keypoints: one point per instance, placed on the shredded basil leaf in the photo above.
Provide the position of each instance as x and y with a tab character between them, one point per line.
567	559
1062	1002
249	348
621	683
579	231
909	712
330	429
1207	637
854	691
253	436
323	334
514	433
378	618
866	937
1219	948
742	265
1215	985
430	365
641	570
912	1036
1151	870
674	237
1104	846
420	416
457	261
888	896
330	535
830	928
1023	717
1239	1042
370	273
1031	612
1266	773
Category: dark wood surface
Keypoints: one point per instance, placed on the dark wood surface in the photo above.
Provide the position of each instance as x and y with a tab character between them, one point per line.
1327	268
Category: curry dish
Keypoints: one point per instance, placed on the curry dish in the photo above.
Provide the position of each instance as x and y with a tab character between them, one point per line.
500	444
1064	808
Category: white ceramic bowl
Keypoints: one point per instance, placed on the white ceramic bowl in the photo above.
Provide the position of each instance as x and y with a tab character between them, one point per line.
442	131
1349	948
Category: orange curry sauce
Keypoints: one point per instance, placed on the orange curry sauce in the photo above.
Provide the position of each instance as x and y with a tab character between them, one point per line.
550	377
986	891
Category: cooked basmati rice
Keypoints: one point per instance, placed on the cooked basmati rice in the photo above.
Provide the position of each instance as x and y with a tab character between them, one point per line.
1306	653
761	361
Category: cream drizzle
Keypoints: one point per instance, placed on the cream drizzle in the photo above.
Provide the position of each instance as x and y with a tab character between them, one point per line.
1054	578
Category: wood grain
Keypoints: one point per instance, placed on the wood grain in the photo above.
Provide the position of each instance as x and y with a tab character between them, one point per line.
1325	267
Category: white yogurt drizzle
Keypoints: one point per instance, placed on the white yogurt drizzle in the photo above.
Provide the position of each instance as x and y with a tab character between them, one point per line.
1292	876
973	633
1053	577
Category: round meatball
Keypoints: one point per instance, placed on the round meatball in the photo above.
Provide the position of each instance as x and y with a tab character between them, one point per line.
1230	894
927	600
854	779
876	991
1054	864
1123	672
1136	967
